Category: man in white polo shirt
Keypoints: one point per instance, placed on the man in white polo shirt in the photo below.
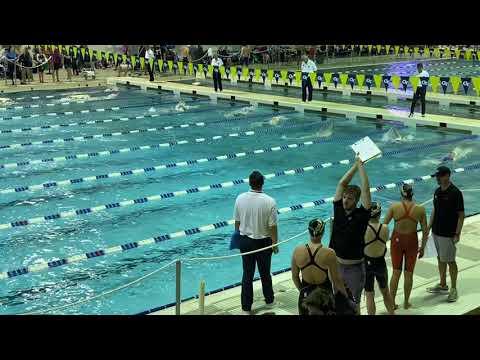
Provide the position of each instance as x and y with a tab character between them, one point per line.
308	67
256	218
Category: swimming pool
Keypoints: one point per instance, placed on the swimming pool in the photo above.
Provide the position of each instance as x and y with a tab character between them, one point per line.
143	120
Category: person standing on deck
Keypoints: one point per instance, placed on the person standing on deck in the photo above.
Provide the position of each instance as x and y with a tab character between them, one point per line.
149	55
217	76
308	67
349	226
446	223
421	89
255	217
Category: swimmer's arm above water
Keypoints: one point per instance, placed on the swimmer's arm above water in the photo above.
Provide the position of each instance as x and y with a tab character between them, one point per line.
344	181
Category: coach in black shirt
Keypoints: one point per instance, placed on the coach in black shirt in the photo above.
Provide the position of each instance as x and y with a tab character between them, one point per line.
446	222
349	226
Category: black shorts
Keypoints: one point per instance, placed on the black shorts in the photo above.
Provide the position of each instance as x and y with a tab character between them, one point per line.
376	268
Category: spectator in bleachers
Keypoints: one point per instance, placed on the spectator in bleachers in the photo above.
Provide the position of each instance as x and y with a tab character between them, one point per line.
404	247
446	223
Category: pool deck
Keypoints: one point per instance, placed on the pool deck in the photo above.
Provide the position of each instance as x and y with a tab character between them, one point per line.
227	302
352	112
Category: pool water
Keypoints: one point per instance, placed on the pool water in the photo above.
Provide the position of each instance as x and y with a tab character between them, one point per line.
60	238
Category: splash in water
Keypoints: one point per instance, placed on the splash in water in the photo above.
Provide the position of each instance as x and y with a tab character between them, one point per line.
6	102
241	112
152	109
325	131
394	136
456	154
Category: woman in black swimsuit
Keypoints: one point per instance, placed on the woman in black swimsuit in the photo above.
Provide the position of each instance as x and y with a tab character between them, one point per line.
319	269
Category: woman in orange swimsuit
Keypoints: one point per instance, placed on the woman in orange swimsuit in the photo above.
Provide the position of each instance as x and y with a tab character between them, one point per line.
404	240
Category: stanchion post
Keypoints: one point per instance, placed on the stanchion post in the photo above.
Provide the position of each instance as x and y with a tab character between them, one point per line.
178	274
201	298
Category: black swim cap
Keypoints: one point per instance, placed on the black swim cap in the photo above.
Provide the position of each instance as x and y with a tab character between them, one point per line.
316	227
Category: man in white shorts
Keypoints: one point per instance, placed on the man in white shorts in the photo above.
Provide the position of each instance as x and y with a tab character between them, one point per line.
446	222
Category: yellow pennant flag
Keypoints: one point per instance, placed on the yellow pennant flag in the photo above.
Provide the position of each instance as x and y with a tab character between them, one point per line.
270	75
115	57
245	72
360	79
170	65
190	68
150	62
343	78
160	64
82	51
447	54
435	81
124	58
457	53
378	80
67	48
60	48
328	76
370	49
313	77
133	59
395	81
99	55
200	68
75	52
436	52
107	55
210	70
142	63
257	74
387	47
455	81
476	85
468	54
52	47
397	49
415	51
414	80
379	47
90	52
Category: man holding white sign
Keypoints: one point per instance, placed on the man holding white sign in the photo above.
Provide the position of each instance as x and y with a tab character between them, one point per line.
349	226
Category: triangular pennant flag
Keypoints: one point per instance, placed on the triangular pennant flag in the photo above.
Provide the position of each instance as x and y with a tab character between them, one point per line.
335	79
99	55
283	75
210	70
455	81
435	81
404	81
142	63
313	77
369	81
190	68
370	49
82	53
67	48
222	71
360	79
387	48
150	62
107	56
444	80
133	59
457	53
415	51
298	78
276	75
199	68
468	54
53	48
386	81
319	78
291	76
327	77
180	66
343	79
270	75
239	73
90	52
75	51
257	74
476	85
351	80
170	65
466	82
379	48
60	48
205	70
124	58
263	74
378	80
414	80
115	58
396	81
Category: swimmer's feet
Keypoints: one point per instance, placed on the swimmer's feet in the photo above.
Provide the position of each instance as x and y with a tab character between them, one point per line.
410	115
407	305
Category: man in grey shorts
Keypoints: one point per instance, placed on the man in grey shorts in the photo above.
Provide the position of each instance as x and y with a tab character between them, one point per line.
349	226
446	222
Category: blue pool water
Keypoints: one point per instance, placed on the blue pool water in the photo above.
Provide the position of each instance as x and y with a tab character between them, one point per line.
60	238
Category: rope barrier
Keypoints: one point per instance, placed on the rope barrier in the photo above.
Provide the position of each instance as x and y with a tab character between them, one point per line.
188	232
27	67
297	171
103	294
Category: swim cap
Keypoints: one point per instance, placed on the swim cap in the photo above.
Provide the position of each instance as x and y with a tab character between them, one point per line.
316	227
406	191
376	210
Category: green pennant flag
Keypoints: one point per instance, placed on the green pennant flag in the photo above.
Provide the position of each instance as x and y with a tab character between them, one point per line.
222	71
415	51
283	75
99	55
414	80
133	59
313	77
210	70
387	47
455	81
360	79
170	65
468	54
124	58
150	62
67	48
476	85
90	52
245	72
200	68
435	82
396	81
457	53
328	76
270	75
190	68
60	48
75	52
436	52
180	67
142	63
160	64
370	49
379	47
397	49
115	57
447	53
107	55
378	80
258	73
52	47
82	52
343	78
